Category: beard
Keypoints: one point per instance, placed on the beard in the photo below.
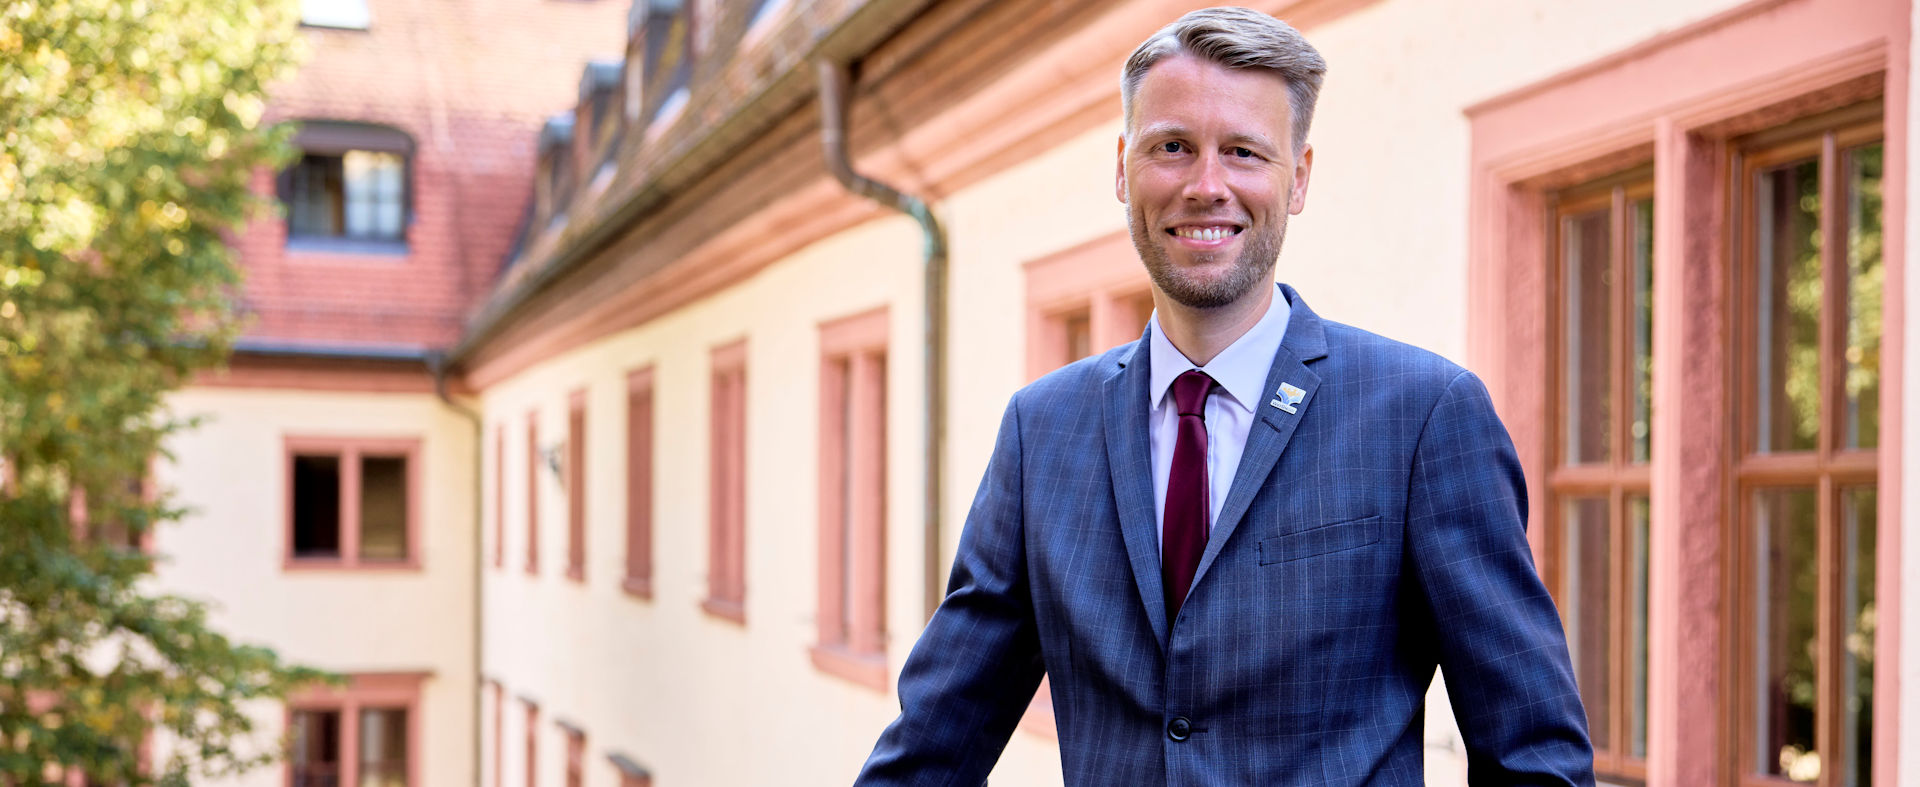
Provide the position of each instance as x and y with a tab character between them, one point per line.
1193	288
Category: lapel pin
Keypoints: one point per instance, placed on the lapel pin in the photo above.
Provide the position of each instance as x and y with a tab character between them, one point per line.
1289	396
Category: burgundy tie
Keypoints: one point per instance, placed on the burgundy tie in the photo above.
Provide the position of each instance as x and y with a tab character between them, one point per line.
1184	523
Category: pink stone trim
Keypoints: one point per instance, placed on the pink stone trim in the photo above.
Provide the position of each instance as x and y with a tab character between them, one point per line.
1097	278
376	689
350	450
638	579
1676	99
852	498
576	474
727	484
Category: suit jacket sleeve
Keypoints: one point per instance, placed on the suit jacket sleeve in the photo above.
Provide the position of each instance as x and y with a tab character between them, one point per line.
970	676
1500	642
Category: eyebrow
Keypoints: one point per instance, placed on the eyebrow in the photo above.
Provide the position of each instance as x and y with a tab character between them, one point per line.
1177	130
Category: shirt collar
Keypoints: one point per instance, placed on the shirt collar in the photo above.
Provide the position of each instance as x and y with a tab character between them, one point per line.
1241	369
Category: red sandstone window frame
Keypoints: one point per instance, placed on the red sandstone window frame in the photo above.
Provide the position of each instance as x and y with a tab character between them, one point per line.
499	496
638	581
499	732
367	690
533	492
350	450
851	616
1098	291
576	474
532	740
727	482
1681	99
576	773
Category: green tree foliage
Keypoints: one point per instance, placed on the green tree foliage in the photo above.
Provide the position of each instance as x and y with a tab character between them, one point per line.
131	132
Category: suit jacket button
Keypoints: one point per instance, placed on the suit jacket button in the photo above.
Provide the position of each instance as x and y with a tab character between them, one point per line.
1179	728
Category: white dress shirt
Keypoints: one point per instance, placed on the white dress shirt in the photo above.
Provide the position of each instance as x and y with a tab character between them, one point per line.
1241	374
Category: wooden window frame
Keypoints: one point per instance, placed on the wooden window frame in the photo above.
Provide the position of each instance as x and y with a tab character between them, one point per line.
326	137
364	690
1619	478
1828	470
852	644
727	485
576	475
350	450
638	581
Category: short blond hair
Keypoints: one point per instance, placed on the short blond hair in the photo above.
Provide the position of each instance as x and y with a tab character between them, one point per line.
1235	38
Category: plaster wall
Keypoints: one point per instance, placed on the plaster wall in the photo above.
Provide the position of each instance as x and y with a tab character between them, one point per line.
230	472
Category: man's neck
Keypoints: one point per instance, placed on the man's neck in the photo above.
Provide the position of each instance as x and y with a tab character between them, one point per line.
1201	334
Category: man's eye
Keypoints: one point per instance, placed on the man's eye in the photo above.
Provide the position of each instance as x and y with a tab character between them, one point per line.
1242	153
1171	147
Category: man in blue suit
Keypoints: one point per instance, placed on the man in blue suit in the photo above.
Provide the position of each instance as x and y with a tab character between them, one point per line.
1240	545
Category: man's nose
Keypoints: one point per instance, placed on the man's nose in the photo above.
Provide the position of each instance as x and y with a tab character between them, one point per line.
1207	180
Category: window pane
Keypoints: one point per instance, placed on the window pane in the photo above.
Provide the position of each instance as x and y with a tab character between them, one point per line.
1589	321
1858	538
845	524
1641	214
1638	518
316	506
314	754
1864	282
374	206
1786	590
383	508
383	747
1787	200
314	196
1587	598
1079	328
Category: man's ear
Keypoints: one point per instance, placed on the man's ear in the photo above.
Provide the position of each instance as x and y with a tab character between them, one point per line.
1120	171
1302	171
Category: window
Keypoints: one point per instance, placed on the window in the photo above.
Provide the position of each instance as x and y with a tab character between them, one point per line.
1084	301
853	486
345	14
366	733
500	496
349	188
726	515
1811	278
664	38
1599	515
499	733
533	742
352	503
576	754
1769	384
601	114
632	774
639	579
554	186
533	493
577	486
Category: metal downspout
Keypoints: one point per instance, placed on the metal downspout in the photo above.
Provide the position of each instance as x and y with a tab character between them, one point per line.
437	364
835	81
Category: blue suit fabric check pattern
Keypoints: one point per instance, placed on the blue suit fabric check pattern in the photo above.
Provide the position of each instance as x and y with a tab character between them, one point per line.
1371	535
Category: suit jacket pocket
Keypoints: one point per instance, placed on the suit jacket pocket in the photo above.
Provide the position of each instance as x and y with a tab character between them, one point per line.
1335	537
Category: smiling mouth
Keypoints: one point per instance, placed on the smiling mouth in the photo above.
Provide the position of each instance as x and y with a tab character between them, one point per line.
1205	233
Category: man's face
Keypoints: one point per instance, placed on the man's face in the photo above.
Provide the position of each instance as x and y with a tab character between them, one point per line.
1208	175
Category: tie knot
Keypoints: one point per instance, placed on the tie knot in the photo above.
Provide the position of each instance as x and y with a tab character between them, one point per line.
1190	391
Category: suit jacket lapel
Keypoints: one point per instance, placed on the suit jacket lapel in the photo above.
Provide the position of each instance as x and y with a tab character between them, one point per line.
1128	459
1273	428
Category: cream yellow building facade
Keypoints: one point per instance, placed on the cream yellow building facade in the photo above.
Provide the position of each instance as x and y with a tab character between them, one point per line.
690	260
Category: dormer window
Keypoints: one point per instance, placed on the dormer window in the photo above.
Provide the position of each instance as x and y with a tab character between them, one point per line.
349	185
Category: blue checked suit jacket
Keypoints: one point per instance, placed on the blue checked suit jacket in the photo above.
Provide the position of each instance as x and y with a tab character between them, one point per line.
1375	534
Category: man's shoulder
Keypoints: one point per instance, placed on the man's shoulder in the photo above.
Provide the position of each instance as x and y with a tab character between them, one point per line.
1073	383
1362	353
